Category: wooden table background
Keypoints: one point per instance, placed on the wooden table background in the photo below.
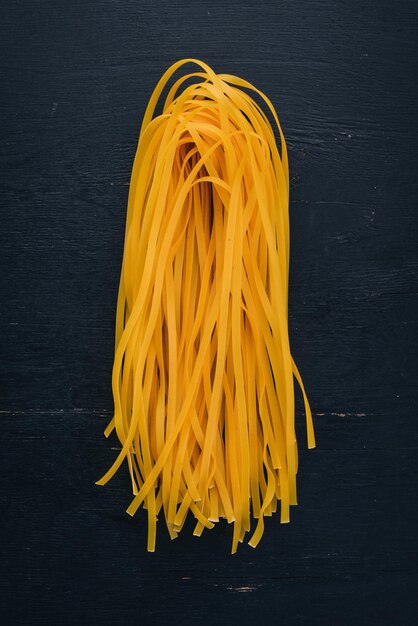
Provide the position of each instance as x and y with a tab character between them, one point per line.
76	77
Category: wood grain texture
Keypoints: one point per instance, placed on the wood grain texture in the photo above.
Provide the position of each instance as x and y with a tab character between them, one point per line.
76	77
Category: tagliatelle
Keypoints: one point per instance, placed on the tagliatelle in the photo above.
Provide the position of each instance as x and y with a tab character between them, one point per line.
203	374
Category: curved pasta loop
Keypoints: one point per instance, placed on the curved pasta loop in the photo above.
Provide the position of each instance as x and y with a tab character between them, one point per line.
203	374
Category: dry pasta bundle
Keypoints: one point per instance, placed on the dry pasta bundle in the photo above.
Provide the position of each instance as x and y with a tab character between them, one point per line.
203	374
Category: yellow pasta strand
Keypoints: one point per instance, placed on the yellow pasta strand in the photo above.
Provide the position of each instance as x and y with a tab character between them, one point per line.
203	374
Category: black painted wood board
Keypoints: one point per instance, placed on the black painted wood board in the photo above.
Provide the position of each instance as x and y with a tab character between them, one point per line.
75	80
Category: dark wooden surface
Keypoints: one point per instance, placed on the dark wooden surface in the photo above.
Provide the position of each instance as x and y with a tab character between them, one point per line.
76	77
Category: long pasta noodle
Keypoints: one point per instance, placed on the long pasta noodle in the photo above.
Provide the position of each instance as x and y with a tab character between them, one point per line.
203	376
